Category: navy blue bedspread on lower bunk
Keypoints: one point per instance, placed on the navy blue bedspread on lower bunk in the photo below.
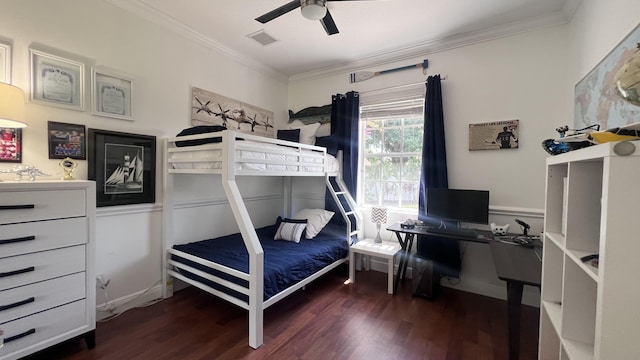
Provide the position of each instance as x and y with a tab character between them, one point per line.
285	263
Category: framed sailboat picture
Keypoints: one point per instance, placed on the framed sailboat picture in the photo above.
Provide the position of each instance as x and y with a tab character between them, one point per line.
123	165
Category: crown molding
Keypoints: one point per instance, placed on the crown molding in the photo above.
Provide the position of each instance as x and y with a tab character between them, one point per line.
142	10
389	56
421	49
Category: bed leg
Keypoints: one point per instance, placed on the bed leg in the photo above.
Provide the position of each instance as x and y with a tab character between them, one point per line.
255	328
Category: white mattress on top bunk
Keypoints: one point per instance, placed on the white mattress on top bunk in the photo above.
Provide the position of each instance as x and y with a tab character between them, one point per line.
196	159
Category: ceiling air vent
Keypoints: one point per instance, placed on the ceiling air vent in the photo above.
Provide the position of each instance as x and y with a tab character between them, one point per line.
262	37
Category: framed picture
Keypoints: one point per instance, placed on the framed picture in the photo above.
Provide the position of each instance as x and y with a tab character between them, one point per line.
10	145
5	62
67	140
495	135
56	81
209	108
112	94
123	166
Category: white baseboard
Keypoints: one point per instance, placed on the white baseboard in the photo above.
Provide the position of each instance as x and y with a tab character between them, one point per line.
530	296
128	302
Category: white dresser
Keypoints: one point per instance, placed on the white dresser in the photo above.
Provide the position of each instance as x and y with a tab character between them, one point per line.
47	277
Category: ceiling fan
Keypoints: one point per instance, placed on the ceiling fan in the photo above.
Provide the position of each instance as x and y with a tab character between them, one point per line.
311	9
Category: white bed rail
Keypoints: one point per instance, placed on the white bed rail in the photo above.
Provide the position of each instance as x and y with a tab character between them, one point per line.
276	157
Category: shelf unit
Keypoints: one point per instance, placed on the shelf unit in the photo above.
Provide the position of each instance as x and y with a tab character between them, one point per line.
589	312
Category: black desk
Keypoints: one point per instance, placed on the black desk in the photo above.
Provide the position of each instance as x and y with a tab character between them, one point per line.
517	265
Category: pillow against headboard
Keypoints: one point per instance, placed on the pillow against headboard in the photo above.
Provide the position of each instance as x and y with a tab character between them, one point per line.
329	142
289	135
201	129
307	132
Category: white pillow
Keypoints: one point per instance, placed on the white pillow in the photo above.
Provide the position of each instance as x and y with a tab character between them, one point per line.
317	219
290	230
307	132
324	130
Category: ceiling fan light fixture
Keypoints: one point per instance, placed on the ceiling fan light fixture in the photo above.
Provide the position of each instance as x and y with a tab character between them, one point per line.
313	9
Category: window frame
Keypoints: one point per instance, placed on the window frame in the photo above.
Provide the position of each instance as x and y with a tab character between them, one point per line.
414	103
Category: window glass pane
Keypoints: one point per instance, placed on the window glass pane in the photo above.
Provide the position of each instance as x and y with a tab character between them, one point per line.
372	191
411	168
414	121
373	141
390	194
391	168
392	122
413	139
410	193
392	140
371	168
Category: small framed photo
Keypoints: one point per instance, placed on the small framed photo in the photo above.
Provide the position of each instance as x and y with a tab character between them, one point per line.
5	62
123	166
10	145
57	81
67	141
112	94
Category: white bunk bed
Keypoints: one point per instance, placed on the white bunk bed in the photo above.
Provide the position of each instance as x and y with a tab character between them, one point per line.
232	154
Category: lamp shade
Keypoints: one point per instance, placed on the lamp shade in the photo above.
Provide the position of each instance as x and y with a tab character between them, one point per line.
313	9
379	215
12	107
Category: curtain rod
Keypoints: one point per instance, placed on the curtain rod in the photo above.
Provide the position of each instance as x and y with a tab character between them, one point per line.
399	86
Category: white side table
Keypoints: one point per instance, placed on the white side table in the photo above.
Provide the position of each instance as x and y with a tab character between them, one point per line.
385	250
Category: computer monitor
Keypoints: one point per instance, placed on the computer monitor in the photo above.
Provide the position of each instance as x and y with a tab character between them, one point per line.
458	205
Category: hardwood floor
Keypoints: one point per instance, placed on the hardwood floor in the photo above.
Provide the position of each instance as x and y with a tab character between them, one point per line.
328	320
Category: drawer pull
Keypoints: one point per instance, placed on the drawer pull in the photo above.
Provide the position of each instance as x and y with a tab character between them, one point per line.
19	336
16	304
17	272
15	240
17	207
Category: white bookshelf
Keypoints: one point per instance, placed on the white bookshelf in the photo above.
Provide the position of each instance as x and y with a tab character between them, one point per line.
588	312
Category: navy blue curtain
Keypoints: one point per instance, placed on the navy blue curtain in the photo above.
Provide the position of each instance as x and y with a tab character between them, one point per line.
445	253
345	115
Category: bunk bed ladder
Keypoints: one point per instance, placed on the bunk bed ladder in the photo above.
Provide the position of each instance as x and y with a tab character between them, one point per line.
348	207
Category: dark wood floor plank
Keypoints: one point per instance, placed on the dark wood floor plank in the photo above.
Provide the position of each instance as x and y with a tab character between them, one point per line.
328	320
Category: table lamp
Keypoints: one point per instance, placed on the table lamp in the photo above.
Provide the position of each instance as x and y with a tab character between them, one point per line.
378	217
12	107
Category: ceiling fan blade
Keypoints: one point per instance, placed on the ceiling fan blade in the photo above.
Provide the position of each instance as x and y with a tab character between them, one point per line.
278	12
328	24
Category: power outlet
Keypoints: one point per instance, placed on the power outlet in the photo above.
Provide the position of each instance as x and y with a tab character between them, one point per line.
102	281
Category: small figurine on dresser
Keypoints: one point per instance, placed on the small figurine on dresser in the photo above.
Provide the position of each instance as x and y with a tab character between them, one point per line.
28	170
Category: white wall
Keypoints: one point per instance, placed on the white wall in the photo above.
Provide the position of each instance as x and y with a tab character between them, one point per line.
165	66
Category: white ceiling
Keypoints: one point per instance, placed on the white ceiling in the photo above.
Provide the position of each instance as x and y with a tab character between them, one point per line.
372	32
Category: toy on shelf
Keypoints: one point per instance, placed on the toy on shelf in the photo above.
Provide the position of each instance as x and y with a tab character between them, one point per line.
28	170
573	139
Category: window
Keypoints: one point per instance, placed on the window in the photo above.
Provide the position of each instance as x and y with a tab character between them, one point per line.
391	153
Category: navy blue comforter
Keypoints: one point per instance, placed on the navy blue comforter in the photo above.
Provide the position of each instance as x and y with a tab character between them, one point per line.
285	263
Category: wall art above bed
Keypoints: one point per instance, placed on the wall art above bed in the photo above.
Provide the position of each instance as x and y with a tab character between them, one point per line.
208	108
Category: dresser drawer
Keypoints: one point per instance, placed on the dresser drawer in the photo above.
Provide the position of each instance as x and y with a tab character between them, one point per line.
17	239
24	206
30	299
26	269
44	329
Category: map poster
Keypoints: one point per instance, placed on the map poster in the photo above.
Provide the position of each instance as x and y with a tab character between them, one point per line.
596	98
494	135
